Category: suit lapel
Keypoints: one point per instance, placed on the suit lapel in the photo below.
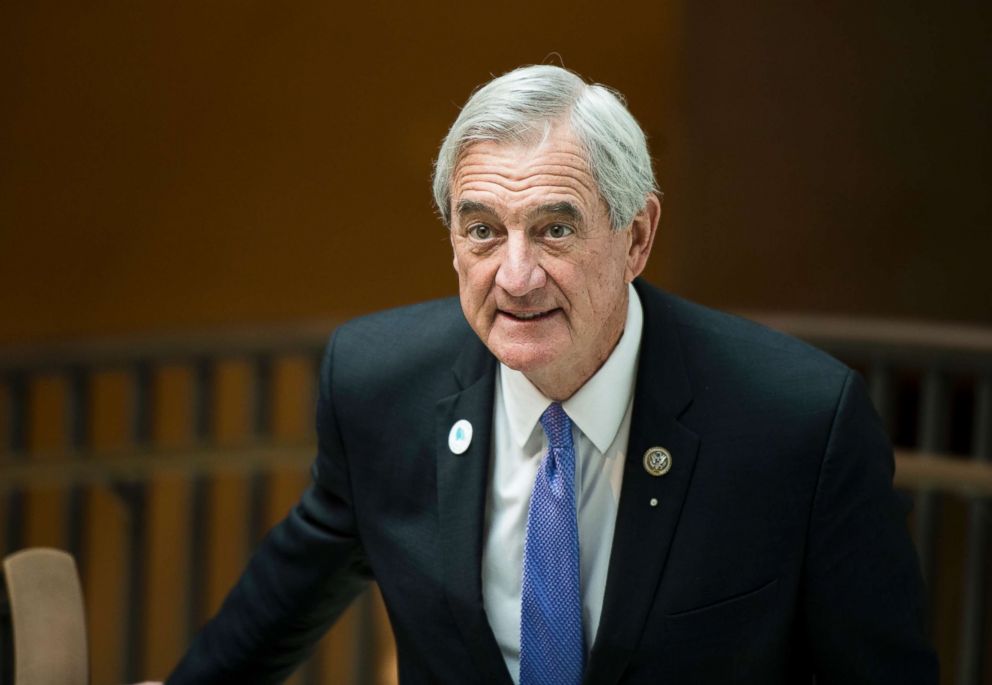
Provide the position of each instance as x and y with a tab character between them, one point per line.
643	532
461	482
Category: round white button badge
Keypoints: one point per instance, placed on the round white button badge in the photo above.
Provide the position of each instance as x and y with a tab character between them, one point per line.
460	436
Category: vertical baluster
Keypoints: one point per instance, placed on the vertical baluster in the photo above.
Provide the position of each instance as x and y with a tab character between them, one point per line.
262	397
976	576
17	402
135	493
261	426
933	439
77	416
203	423
880	386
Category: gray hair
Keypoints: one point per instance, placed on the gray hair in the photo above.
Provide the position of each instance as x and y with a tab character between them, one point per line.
522	105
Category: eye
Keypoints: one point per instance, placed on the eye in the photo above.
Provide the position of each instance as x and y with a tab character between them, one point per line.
559	231
480	232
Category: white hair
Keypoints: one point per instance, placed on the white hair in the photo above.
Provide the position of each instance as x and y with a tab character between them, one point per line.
522	105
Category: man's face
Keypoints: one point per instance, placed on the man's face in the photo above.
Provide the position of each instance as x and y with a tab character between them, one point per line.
542	276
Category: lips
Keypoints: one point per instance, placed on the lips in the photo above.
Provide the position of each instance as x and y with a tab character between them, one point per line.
528	316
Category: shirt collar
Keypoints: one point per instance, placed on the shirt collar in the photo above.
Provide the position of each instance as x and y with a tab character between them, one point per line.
598	407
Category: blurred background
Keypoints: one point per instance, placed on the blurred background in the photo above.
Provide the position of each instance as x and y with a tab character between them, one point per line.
193	195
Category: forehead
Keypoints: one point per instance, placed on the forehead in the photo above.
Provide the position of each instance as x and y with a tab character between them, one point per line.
514	176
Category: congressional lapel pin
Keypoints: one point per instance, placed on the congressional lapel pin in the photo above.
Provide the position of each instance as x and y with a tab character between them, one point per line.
460	436
657	461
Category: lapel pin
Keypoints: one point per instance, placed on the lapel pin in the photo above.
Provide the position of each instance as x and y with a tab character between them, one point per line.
657	461
460	436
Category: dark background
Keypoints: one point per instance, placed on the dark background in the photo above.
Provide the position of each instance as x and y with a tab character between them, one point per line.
167	167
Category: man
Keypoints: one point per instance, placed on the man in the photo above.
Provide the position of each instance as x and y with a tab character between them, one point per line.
575	477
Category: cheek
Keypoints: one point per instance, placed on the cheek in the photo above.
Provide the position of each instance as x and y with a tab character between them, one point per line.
475	273
474	284
596	285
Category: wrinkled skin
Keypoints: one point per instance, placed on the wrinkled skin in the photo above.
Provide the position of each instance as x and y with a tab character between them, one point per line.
542	275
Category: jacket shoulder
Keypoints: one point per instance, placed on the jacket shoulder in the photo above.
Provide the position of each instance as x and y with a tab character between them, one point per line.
706	330
427	320
398	348
736	366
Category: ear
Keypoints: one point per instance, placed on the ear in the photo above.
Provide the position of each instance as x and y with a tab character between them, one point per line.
642	231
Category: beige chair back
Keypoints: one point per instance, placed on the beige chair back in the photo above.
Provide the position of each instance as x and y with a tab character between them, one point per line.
47	617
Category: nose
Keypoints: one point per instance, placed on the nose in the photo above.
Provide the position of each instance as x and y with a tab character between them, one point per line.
519	271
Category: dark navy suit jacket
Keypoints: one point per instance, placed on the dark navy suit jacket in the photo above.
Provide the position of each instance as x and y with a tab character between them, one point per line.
777	549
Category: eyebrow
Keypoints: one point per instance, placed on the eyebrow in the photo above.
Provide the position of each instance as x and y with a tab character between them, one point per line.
472	207
566	210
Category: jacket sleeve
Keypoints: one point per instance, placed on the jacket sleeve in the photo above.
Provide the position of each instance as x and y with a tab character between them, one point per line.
862	586
300	579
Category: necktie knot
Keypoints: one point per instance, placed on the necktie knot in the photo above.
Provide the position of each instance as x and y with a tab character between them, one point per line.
557	426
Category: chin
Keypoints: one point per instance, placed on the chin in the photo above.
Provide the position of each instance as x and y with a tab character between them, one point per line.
524	358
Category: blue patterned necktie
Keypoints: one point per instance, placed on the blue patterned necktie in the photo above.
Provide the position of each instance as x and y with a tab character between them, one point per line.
552	644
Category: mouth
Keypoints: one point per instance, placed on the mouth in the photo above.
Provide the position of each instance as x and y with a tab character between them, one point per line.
528	316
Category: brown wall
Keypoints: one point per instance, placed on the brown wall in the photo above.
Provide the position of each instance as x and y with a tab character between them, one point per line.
180	166
170	166
837	157
174	168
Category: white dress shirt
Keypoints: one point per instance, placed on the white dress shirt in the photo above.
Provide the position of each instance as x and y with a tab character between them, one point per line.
600	411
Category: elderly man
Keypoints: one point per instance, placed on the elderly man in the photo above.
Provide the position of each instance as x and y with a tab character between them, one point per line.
575	477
